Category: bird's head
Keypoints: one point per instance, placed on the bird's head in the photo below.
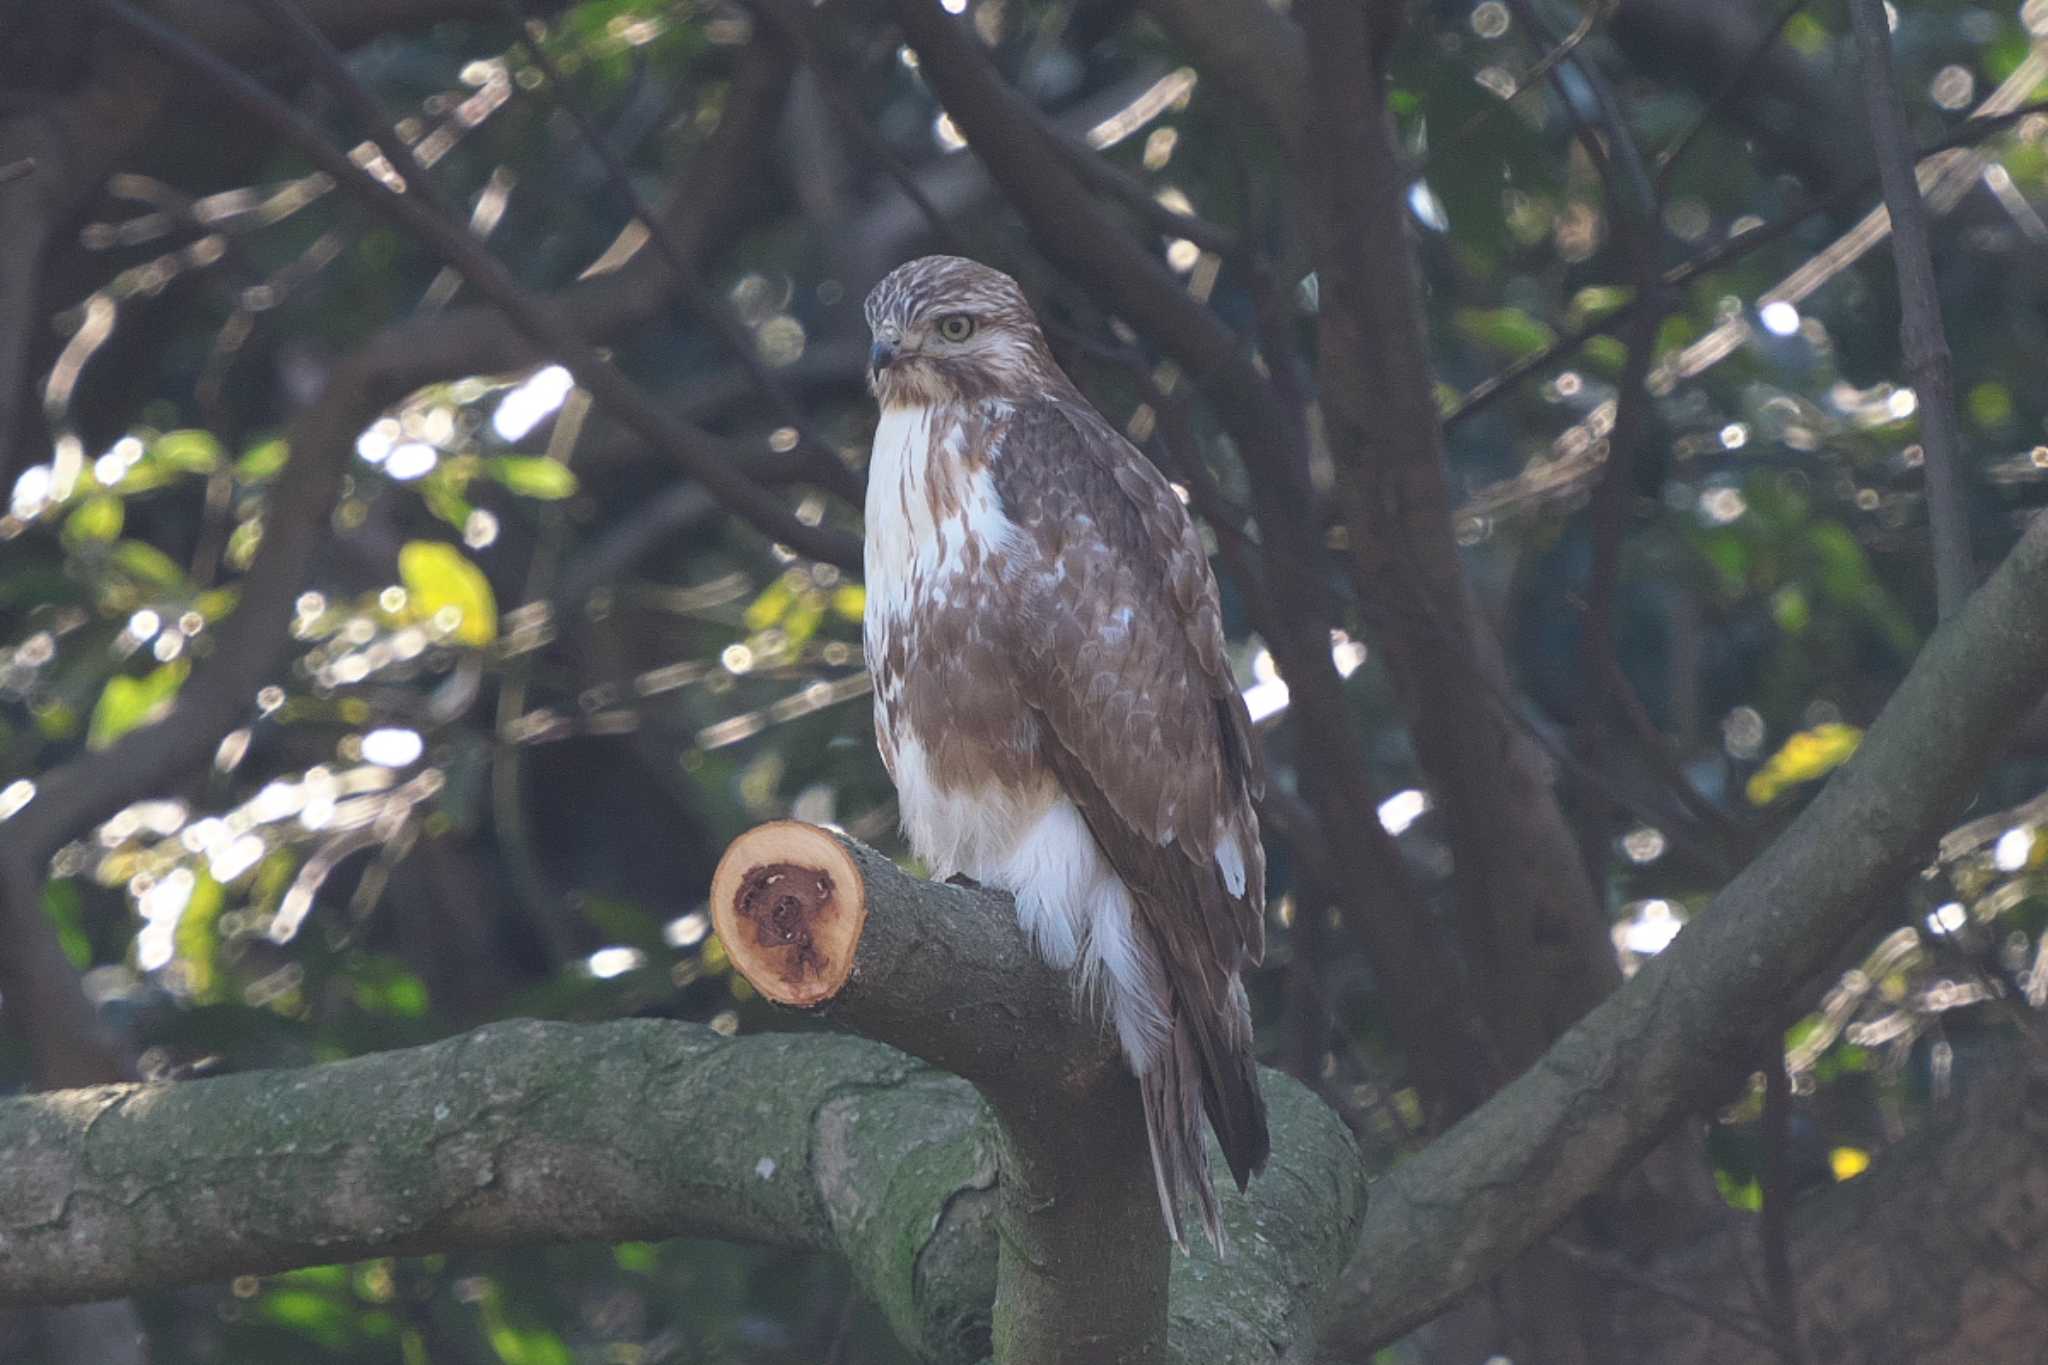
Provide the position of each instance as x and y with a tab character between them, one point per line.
946	330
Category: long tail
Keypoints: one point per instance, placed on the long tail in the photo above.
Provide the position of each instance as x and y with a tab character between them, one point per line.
1208	1067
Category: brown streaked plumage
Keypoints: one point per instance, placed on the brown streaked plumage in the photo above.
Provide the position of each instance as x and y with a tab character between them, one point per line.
1053	700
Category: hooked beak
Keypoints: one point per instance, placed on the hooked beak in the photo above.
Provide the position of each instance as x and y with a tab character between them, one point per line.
880	354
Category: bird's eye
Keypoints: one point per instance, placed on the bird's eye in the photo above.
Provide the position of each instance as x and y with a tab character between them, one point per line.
956	327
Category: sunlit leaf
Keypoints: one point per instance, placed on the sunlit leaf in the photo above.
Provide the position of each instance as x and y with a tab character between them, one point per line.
196	943
310	1314
98	518
637	1257
768	609
533	476
1848	1162
849	600
438	578
1805	756
1606	355
1510	331
148	564
1740	1193
243	542
64	906
262	461
191	452
444	499
55	719
216	603
1790	609
804	617
1596	301
127	703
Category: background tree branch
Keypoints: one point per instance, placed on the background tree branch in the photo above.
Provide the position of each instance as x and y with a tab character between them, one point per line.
1672	1039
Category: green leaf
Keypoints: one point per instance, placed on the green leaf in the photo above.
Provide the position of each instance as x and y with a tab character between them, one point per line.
261	462
1597	301
1990	405
533	476
195	940
127	703
310	1314
1508	330
444	499
148	564
438	579
192	452
97	519
66	909
1741	1193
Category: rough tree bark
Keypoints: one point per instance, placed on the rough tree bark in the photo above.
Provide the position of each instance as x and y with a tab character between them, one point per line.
1672	1039
528	1133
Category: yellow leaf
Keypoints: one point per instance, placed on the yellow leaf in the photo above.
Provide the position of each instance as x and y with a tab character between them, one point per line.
190	452
1848	1162
850	600
1805	756
767	609
438	579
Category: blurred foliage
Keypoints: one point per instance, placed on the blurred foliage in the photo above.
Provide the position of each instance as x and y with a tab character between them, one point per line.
531	693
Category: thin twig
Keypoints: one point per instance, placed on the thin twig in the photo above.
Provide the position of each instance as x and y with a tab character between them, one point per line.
830	471
1135	194
1779	1286
1529	80
692	449
803	34
1922	341
1720	1314
1668	159
1488	391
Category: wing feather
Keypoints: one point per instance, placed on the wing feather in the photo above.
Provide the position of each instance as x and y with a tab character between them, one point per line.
1124	659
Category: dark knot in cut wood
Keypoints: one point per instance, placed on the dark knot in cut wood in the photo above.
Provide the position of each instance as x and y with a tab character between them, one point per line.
790	906
785	904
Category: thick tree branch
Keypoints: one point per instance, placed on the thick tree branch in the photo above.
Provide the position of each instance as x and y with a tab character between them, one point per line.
833	926
1669	1042
528	1133
1527	915
1255	51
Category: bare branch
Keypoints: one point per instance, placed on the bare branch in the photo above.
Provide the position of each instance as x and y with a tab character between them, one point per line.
1921	337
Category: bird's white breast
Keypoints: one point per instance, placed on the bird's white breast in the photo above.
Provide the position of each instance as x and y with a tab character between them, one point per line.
925	501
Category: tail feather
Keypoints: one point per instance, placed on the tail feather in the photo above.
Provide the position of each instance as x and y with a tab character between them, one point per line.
1202	1073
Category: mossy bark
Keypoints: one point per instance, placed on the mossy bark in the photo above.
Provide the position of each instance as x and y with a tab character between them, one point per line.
527	1133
